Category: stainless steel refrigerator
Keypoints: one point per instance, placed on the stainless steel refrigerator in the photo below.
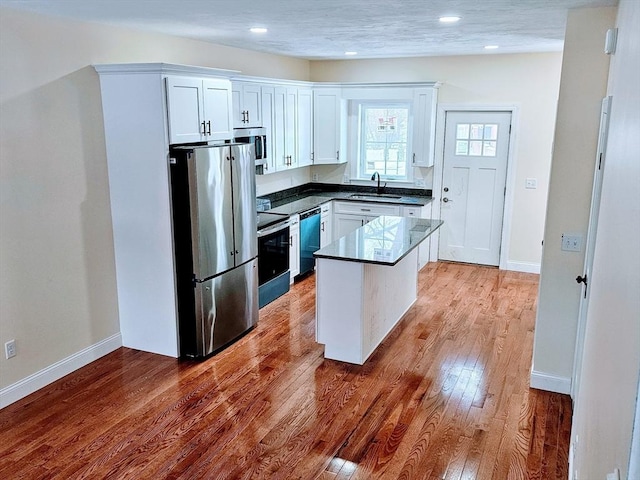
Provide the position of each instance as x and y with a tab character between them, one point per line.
214	221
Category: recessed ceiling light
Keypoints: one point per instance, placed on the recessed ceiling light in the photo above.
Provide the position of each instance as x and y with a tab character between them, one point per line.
449	19
490	47
258	30
350	53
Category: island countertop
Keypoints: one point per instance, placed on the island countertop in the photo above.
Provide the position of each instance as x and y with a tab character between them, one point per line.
383	241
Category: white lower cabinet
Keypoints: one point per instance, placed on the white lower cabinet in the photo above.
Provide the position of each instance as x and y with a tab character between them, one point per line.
424	248
345	224
294	244
349	216
326	224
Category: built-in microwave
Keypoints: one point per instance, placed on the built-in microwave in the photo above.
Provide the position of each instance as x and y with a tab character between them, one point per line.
257	137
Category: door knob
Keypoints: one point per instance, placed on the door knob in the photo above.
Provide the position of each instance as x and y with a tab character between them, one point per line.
581	279
446	189
446	200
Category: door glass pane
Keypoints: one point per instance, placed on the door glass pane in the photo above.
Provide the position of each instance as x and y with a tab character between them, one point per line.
489	149
475	148
491	132
462	131
476	131
462	147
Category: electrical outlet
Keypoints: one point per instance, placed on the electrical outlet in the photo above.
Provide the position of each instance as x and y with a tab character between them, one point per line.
419	182
531	183
315	177
10	349
571	242
345	178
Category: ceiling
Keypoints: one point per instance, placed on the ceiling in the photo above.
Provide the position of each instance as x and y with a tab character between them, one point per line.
315	30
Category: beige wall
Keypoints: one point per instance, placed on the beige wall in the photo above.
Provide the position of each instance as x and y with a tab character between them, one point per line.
528	81
582	87
57	288
604	412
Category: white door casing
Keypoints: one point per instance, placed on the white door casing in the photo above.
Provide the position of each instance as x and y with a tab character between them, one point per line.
592	230
473	188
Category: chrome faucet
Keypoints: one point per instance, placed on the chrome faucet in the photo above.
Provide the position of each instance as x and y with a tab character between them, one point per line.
379	189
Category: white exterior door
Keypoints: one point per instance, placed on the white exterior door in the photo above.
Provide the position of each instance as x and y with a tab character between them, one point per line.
476	150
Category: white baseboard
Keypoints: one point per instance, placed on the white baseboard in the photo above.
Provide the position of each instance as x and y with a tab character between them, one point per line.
54	372
550	383
524	267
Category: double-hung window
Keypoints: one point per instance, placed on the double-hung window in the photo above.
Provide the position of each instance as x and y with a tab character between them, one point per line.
384	133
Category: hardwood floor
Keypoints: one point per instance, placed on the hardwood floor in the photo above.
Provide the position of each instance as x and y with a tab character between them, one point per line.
446	396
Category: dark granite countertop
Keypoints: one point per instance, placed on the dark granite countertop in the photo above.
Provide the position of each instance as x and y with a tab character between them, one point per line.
383	241
303	198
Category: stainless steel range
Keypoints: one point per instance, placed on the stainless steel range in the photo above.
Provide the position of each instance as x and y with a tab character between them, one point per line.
273	255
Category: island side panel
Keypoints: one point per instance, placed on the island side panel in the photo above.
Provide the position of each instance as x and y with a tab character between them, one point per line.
339	314
389	292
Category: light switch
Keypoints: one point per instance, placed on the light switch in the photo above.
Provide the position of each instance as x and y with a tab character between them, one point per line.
531	183
571	242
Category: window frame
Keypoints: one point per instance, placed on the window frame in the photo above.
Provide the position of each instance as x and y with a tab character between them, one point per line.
355	136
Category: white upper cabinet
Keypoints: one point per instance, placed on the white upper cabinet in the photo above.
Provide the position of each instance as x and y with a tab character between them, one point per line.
284	128
268	106
328	121
424	118
199	109
247	105
305	127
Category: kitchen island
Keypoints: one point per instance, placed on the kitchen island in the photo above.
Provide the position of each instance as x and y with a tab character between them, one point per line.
365	282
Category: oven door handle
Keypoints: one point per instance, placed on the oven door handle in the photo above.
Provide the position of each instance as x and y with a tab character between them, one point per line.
276	228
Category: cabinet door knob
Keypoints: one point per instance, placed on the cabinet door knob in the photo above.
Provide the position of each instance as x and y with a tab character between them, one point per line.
209	127
204	128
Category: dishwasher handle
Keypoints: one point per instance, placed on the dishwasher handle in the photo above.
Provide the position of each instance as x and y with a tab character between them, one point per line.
310	213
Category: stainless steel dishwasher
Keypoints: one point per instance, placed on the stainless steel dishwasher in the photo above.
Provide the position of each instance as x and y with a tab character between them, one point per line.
309	239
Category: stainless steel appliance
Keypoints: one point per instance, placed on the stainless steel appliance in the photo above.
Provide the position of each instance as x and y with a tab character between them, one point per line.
214	221
256	137
273	257
309	239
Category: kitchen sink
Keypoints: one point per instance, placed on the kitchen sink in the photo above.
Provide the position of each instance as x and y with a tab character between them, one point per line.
373	196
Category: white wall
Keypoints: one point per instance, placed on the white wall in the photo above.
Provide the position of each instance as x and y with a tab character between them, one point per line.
57	288
604	413
582	87
529	81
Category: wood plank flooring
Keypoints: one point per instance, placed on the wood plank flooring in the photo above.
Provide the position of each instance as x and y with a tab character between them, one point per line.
446	396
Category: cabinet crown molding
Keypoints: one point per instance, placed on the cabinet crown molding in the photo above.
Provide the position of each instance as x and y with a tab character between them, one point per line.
161	68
